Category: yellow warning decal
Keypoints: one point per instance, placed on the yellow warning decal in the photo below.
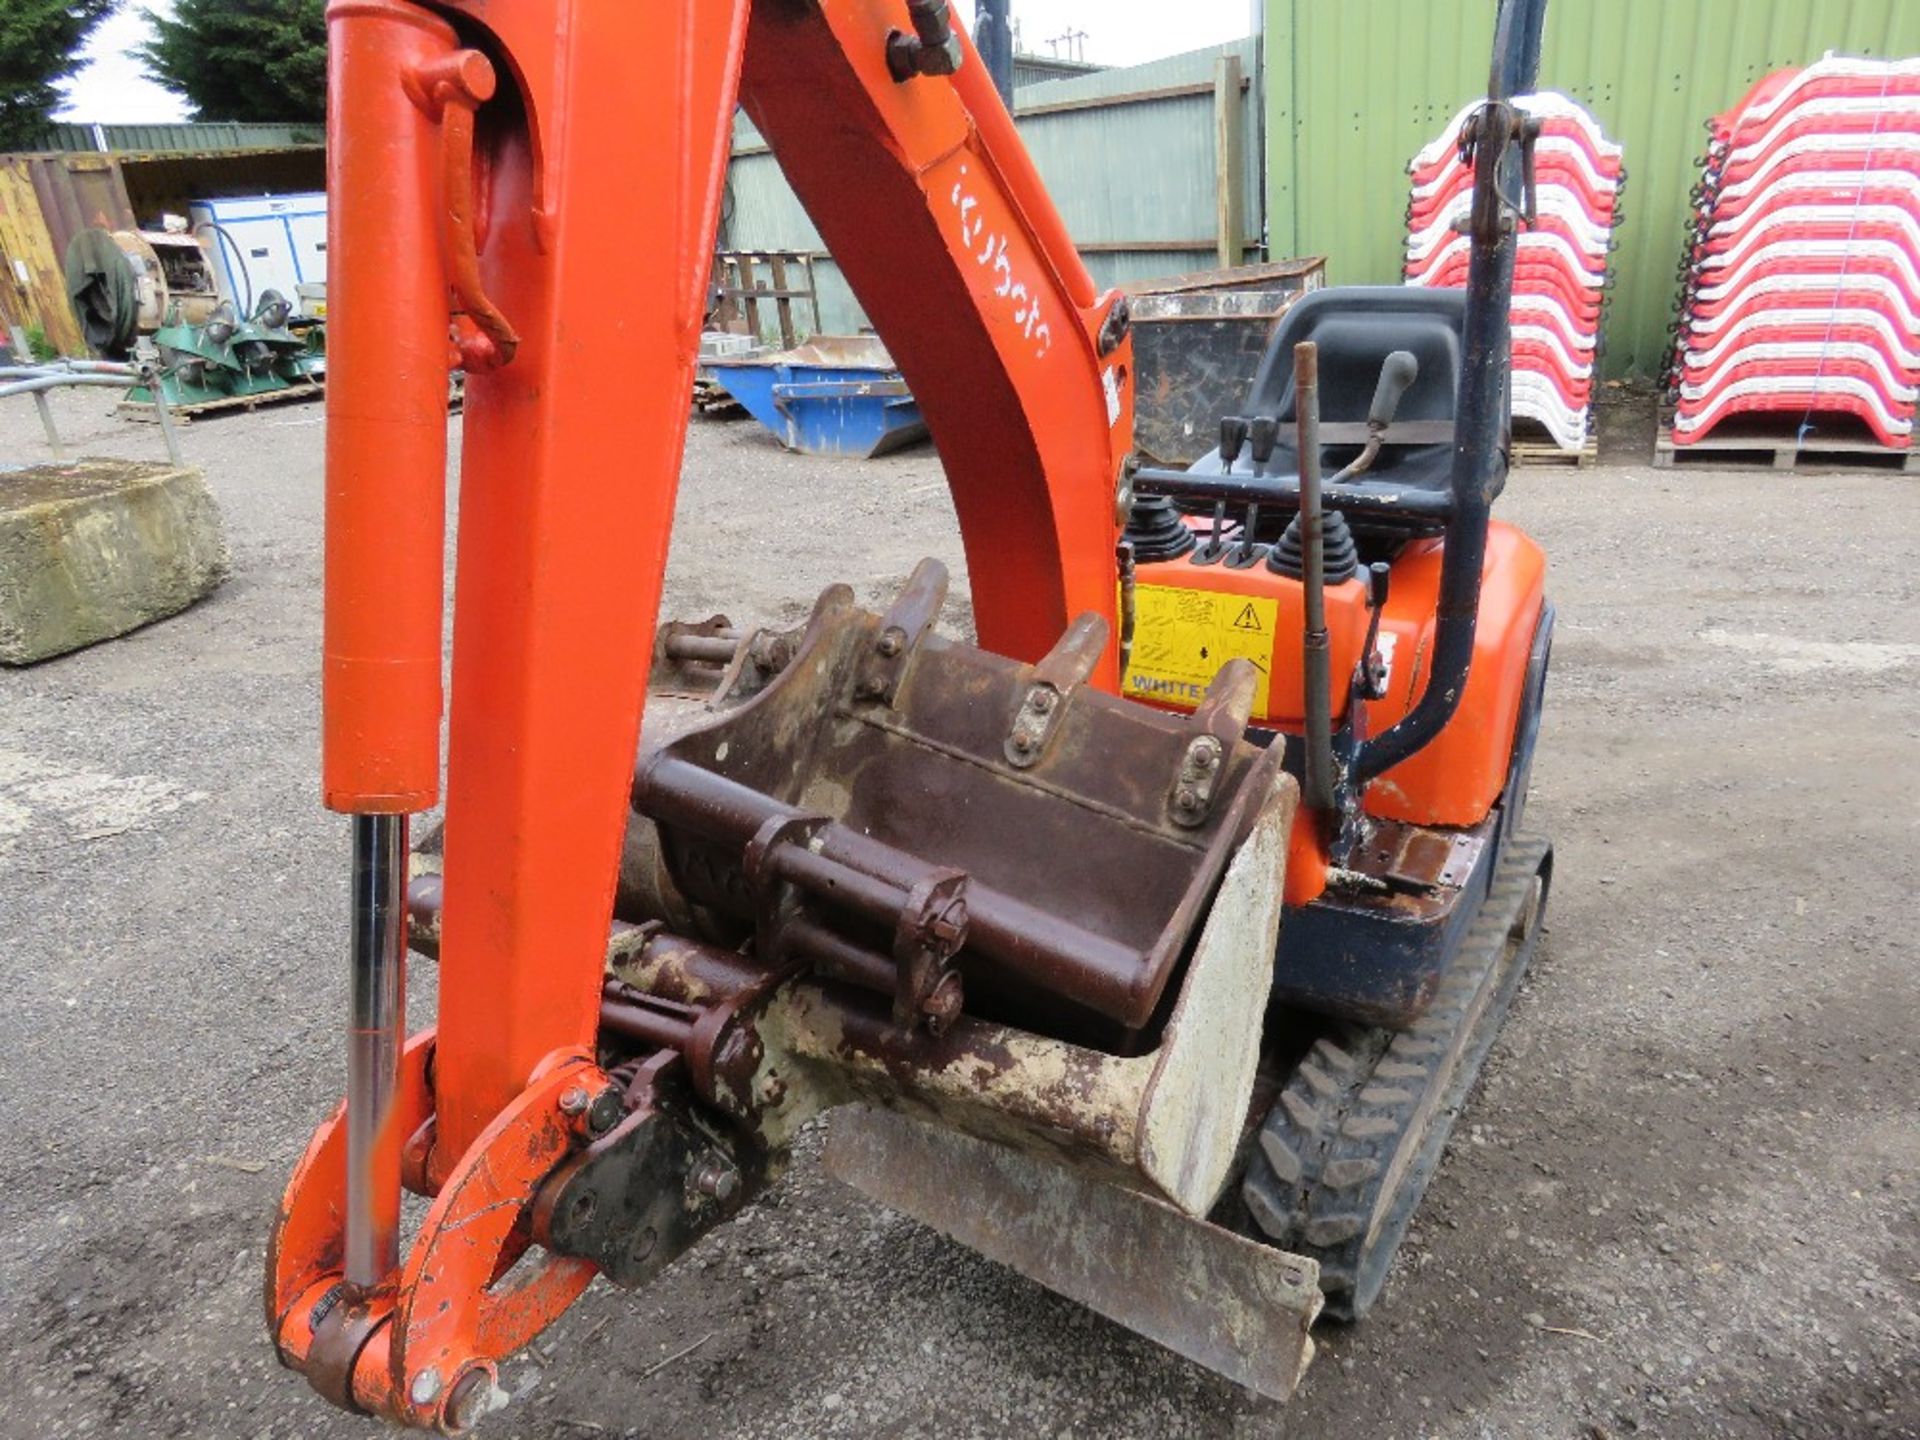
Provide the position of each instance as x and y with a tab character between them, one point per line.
1181	638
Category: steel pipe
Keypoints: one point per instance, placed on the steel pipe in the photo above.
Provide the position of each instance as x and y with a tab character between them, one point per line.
81	367
37	380
150	378
1317	662
706	649
1263	489
44	382
1481	400
644	1025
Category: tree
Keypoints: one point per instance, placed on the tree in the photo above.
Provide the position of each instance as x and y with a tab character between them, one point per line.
40	43
263	60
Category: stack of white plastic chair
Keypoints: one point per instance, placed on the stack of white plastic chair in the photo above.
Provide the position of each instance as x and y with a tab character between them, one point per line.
1800	289
1563	270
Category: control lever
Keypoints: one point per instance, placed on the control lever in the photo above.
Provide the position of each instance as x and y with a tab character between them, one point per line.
1233	439
1371	681
1396	378
1316	793
1248	552
1263	432
1397	375
1212	550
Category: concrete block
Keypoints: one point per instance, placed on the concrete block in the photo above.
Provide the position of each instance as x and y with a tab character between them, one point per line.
94	549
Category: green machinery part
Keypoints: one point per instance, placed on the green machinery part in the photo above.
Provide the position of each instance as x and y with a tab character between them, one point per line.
228	358
104	294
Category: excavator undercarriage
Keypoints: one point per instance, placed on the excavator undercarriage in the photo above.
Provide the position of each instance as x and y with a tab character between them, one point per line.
1164	993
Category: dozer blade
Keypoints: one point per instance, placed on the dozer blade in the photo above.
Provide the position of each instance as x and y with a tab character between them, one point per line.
1238	1307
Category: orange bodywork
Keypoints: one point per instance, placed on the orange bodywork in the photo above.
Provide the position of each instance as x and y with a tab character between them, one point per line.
386	432
446	1316
1457	778
495	167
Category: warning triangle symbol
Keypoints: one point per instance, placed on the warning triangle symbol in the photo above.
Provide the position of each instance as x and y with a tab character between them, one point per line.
1247	619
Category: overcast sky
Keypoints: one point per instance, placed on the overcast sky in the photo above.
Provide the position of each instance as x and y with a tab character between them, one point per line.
1125	32
113	89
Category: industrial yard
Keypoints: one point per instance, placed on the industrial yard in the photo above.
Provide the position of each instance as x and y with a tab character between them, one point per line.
909	718
1682	1201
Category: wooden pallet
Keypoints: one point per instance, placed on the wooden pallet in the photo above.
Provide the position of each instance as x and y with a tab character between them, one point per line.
710	397
144	411
1546	452
1775	444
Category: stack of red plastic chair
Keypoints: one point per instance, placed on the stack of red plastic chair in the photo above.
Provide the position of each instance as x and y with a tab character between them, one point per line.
1563	272
1800	289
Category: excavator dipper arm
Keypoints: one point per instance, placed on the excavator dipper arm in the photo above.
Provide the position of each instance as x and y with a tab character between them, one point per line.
528	190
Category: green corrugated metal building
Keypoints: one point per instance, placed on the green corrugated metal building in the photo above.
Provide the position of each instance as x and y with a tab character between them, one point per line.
1130	157
187	138
1355	87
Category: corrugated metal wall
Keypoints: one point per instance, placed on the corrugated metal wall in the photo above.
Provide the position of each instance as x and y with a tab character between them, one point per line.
1354	87
185	139
1041	69
1128	155
1135	179
44	200
33	292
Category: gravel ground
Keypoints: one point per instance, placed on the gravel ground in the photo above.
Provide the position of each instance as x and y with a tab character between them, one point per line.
1682	1203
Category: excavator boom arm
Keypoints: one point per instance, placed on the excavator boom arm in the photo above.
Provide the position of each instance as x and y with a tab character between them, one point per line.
498	170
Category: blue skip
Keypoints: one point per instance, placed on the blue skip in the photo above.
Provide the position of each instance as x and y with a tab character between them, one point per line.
834	395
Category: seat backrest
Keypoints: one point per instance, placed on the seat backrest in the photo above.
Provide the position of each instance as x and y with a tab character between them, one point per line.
1356	328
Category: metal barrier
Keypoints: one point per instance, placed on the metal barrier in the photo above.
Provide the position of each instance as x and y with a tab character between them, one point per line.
37	379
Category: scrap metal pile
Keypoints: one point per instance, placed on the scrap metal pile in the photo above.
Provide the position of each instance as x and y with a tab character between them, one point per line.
1564	268
1801	284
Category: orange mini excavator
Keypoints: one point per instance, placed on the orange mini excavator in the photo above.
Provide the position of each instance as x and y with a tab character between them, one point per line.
1149	946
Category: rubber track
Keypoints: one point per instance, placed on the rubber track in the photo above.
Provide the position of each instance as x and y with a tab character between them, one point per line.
1370	1108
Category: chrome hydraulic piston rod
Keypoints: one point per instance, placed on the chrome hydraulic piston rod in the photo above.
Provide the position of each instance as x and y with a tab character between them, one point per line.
376	1030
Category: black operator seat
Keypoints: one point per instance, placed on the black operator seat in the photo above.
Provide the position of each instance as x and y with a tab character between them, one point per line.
1356	328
